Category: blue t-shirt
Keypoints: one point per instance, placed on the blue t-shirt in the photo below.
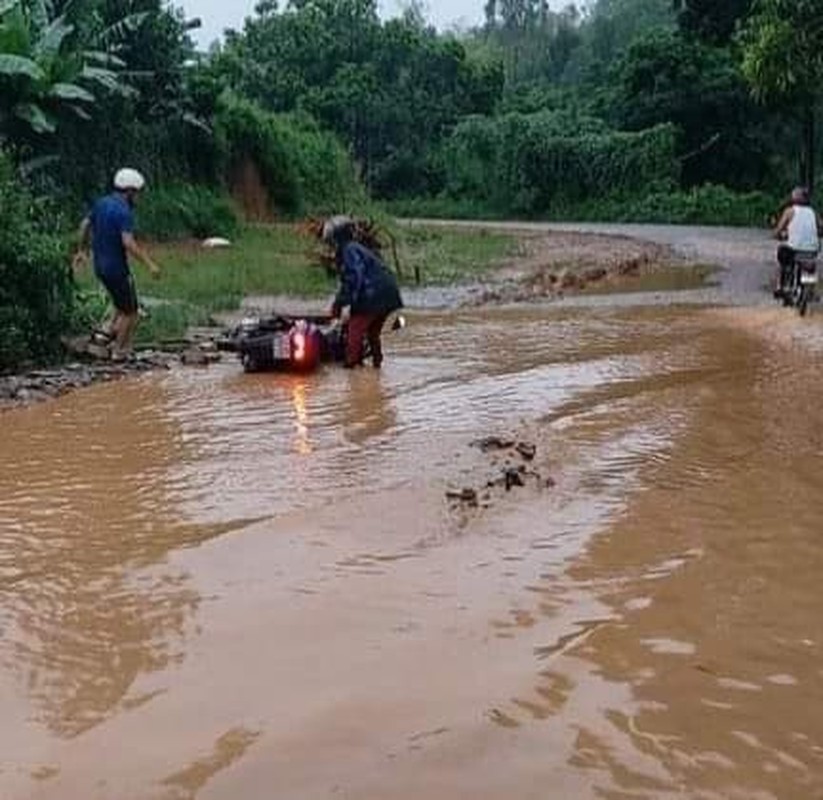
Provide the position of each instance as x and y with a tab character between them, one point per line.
111	217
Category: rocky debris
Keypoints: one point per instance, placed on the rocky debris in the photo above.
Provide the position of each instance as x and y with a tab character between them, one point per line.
596	274
41	385
467	497
492	443
202	356
564	263
514	477
507	477
203	336
97	366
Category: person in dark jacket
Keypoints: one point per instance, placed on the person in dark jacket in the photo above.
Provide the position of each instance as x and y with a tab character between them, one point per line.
368	292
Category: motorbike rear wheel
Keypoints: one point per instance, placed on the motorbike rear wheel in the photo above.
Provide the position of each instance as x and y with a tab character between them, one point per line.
804	300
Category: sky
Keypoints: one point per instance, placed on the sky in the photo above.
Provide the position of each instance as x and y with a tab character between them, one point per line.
217	15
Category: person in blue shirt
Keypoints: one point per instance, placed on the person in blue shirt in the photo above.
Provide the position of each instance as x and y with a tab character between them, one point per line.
368	292
110	229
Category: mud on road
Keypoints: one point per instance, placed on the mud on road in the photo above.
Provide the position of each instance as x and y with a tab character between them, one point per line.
215	585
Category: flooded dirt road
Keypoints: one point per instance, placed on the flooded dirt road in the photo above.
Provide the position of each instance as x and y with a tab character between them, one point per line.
222	586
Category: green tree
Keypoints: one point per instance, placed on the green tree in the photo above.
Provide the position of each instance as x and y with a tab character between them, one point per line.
391	90
607	30
783	62
712	21
46	71
665	77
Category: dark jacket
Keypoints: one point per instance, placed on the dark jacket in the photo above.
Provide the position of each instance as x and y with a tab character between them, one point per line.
366	284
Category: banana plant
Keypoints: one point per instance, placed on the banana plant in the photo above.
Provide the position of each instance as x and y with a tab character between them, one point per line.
48	70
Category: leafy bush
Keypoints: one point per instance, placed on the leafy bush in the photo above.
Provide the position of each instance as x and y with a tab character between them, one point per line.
528	163
244	132
179	212
36	290
167	152
704	205
303	168
325	172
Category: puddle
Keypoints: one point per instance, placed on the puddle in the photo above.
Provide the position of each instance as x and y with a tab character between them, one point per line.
219	585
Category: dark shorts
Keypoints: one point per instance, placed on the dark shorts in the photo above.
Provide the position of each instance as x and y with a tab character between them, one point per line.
122	291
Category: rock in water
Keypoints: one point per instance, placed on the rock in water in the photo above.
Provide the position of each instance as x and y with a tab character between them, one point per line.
194	358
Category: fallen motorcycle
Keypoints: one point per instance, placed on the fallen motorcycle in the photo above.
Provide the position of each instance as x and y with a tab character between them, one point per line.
288	343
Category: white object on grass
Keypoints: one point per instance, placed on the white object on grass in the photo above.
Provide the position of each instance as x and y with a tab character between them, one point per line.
216	242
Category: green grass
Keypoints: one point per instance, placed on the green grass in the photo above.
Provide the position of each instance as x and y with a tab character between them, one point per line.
445	256
265	260
277	260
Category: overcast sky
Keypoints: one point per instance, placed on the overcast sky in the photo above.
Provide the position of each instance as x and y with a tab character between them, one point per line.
217	15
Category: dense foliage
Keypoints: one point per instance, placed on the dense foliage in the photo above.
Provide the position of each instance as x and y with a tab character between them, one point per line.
311	91
531	163
405	99
36	293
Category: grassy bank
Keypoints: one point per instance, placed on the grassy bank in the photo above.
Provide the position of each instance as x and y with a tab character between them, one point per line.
278	260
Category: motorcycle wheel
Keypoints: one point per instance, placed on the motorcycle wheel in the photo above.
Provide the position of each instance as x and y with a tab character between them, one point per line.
803	301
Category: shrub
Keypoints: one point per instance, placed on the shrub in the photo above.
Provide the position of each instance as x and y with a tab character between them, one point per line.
527	163
36	288
302	167
704	205
179	211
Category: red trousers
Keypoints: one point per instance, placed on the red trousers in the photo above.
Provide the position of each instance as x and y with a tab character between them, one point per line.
365	327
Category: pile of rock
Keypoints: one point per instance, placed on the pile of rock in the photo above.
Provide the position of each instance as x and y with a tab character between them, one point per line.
40	385
507	476
94	365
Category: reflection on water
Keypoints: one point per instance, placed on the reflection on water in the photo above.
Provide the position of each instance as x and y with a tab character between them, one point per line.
651	628
302	443
85	523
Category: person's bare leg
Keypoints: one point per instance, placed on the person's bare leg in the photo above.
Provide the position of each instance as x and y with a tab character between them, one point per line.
109	322
113	323
124	335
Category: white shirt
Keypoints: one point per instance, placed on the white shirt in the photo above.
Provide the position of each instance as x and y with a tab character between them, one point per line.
803	233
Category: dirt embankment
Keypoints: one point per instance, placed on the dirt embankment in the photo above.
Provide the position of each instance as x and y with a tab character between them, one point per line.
555	264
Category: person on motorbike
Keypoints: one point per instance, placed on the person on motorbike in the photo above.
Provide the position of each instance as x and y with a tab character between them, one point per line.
109	228
368	292
799	227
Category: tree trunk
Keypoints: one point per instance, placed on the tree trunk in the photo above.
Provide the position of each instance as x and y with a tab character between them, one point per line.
808	160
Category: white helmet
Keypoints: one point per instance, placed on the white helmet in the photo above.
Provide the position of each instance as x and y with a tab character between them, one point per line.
129	179
333	226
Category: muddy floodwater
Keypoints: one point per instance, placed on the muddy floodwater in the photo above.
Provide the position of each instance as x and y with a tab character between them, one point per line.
221	586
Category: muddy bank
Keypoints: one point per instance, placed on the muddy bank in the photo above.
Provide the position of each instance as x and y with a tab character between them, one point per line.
560	264
38	386
42	385
746	256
